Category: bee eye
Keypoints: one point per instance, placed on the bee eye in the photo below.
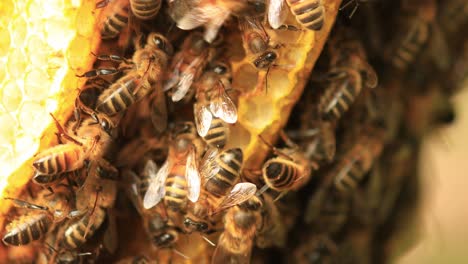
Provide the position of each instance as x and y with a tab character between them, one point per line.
271	56
162	45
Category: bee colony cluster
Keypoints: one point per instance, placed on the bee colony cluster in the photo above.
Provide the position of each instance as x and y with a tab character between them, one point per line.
184	145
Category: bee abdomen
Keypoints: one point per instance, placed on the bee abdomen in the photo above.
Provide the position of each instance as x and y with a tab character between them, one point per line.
115	23
28	229
217	133
120	99
47	178
309	13
337	100
61	158
279	176
348	182
74	235
176	191
145	9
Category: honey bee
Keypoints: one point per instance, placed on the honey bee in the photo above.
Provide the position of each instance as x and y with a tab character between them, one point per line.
33	226
210	14
289	169
144	72
410	39
256	42
220	172
358	160
187	65
309	13
273	232
161	231
327	210
145	9
214	108
178	177
78	232
90	144
47	179
54	253
350	72
114	18
241	224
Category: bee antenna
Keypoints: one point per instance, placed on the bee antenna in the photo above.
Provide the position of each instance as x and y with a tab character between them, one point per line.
180	254
62	132
208	240
50	247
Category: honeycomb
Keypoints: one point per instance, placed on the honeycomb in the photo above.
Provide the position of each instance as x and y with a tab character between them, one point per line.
44	46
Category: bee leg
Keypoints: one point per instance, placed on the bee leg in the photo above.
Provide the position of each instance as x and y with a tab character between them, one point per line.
112	57
25	204
288	140
76	214
63	133
99	72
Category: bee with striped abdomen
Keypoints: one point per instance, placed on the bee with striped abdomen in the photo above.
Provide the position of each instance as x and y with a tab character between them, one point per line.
35	224
309	13
145	9
114	18
289	169
220	172
187	66
143	73
97	195
358	160
178	178
350	73
241	224
214	108
90	144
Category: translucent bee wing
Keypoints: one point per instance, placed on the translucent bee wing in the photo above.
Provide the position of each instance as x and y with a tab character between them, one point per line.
150	170
174	75
217	20
276	13
192	176
209	167
194	18
240	193
224	255
156	190
223	107
186	79
132	190
203	118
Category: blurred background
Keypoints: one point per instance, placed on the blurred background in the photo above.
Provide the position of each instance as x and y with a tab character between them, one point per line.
444	208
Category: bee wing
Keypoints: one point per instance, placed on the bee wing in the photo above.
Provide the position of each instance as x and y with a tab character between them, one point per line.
151	169
224	255
217	20
203	118
156	190
209	167
186	79
194	18
239	194
133	191
276	13
192	176
174	74
223	107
